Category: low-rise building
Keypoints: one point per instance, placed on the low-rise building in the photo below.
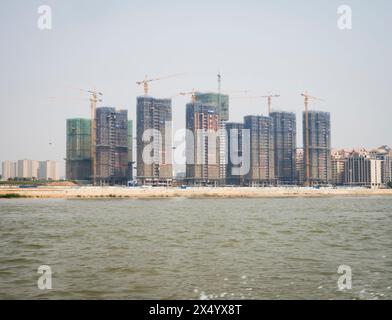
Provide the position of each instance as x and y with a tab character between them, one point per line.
362	169
299	163
338	162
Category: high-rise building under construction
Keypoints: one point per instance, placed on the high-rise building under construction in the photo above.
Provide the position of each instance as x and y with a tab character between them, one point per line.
112	146
130	150
154	129
221	103
111	149
203	145
319	148
235	152
284	133
78	154
261	171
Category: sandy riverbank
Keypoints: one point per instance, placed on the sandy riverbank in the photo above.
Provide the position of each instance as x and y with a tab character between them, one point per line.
150	193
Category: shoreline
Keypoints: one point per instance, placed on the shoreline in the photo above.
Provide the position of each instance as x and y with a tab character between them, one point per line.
191	193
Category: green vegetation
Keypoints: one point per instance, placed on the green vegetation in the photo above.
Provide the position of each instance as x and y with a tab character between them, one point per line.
23	182
389	184
11	196
31	182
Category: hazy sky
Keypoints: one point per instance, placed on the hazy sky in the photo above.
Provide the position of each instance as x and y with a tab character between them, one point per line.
284	47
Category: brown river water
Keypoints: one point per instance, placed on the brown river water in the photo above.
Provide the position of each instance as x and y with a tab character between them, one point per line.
278	248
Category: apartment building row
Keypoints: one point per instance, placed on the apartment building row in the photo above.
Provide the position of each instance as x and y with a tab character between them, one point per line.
264	147
113	149
30	169
259	151
362	168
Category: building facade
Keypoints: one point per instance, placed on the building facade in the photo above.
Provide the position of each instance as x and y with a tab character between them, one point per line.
235	151
78	153
363	170
130	150
48	170
387	168
376	173
356	172
384	153
30	170
338	162
202	144
219	101
27	169
299	163
154	141
285	144
319	132
262	171
112	146
221	104
8	170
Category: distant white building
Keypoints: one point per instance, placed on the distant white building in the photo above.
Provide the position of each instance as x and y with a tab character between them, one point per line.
33	169
361	169
375	173
338	164
299	163
48	170
384	153
23	169
30	169
387	170
8	170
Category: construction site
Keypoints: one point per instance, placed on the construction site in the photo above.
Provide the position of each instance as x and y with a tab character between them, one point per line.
203	146
317	142
285	136
100	149
154	116
261	171
78	159
112	146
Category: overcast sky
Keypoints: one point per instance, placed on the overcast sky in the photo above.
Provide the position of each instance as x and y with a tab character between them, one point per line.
284	47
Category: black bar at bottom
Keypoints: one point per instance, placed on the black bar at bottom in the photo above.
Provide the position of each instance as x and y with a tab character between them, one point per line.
192	309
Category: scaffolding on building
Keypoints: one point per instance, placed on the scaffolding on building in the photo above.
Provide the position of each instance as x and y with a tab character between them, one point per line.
78	150
112	146
284	132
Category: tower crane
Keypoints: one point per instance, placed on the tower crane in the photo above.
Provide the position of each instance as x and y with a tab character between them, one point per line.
268	97
147	80
269	101
95	97
307	97
191	93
